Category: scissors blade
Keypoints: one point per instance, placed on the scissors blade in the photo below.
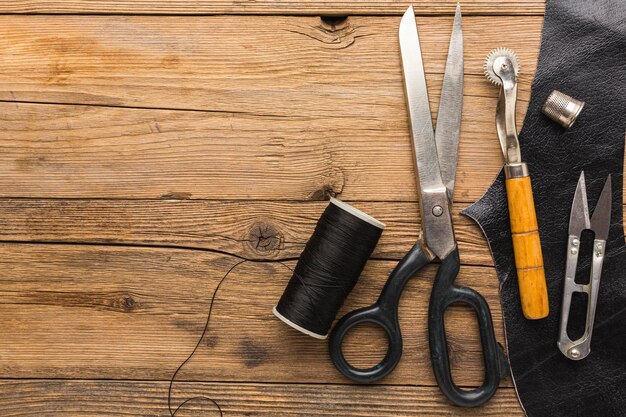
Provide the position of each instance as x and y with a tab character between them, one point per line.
422	135
601	219
448	128
579	216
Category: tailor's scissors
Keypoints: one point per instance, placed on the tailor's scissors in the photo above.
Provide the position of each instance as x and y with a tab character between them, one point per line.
435	161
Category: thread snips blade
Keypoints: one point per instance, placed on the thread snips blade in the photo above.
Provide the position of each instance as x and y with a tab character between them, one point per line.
579	215
601	219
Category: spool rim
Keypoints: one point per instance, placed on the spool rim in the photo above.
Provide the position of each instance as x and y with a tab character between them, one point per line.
297	327
357	213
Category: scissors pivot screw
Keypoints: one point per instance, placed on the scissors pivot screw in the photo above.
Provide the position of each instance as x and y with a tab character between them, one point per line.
574	353
437	211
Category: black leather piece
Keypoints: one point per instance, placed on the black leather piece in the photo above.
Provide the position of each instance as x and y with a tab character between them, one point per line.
583	54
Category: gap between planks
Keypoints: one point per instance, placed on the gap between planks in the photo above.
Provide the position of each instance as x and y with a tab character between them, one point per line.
192	381
271	7
148	398
334	95
110	313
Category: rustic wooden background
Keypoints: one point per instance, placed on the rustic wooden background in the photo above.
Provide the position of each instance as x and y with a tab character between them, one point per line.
148	146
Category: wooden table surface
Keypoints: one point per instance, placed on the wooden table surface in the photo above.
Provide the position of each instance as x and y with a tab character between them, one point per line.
149	146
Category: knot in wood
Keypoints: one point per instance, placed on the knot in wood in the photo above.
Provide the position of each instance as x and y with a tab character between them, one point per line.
331	32
333	23
264	238
323	193
127	303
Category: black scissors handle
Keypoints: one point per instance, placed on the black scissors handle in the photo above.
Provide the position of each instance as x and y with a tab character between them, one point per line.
445	293
383	313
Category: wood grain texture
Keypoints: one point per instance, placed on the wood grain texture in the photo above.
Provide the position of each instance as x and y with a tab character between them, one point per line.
272	7
521	203
531	277
533	293
268	66
284	107
135	398
98	152
256	230
247	229
142	157
136	313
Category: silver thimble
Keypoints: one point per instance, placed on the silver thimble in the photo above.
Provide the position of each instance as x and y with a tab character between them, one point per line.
562	108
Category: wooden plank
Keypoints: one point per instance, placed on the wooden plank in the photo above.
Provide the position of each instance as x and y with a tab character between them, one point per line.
98	152
256	230
122	313
135	398
247	229
287	108
273	7
273	66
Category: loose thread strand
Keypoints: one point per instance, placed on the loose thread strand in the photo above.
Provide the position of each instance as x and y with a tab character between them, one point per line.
204	332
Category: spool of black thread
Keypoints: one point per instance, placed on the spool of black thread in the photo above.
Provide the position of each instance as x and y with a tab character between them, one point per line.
328	269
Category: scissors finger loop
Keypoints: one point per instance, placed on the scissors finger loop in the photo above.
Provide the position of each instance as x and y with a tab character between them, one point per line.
444	294
375	315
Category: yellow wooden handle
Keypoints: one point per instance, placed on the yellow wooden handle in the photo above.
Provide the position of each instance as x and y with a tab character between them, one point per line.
527	247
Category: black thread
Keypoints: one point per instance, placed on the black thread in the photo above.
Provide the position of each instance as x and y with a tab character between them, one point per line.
329	268
206	328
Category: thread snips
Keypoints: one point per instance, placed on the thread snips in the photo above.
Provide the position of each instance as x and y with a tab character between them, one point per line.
599	224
